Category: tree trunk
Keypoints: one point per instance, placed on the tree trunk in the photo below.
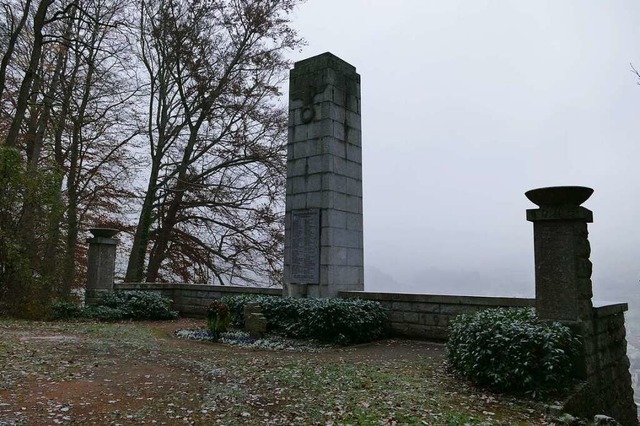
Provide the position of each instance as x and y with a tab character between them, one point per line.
137	256
29	75
75	170
11	45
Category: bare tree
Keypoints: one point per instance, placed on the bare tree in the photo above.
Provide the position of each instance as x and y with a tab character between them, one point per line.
13	26
74	111
75	133
216	139
39	22
97	162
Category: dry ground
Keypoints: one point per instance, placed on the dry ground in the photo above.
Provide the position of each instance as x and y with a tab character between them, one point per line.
139	373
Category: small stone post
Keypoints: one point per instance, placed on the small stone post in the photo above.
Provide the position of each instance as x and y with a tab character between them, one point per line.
101	264
323	248
255	323
562	265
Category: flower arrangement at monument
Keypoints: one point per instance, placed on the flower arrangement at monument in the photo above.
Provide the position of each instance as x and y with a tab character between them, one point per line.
218	318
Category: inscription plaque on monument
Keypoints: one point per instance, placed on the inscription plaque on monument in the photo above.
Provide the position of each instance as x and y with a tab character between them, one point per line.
305	246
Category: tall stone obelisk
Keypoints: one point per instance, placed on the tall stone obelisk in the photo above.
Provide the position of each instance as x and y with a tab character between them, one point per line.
323	219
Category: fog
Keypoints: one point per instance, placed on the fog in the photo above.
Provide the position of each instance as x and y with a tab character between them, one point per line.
468	104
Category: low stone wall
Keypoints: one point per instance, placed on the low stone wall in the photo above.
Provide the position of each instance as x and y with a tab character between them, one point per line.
607	389
427	316
191	300
421	316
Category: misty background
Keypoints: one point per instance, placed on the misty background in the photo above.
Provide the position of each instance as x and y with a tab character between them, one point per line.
468	104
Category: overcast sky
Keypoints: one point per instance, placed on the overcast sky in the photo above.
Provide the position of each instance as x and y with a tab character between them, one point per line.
468	104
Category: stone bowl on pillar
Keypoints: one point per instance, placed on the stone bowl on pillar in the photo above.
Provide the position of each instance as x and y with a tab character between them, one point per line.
104	232
556	196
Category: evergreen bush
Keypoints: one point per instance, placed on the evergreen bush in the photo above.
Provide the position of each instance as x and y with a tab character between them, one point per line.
341	321
510	350
119	305
140	305
64	310
104	313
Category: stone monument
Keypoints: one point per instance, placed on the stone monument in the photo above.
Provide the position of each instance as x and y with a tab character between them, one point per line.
323	216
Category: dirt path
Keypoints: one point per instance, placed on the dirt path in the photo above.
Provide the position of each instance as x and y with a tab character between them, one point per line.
139	373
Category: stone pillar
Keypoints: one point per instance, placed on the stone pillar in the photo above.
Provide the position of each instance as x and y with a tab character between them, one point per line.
562	265
101	264
323	217
564	292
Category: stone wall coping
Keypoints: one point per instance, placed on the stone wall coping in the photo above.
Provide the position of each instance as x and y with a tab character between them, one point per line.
380	296
605	309
202	287
439	298
600	309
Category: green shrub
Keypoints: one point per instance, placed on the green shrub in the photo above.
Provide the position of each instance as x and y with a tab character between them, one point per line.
65	310
218	318
342	321
105	313
140	305
510	350
120	305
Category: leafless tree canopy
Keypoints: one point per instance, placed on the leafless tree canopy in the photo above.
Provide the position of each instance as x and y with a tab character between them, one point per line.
161	118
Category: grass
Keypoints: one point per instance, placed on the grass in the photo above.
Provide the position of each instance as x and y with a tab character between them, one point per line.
362	392
151	375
